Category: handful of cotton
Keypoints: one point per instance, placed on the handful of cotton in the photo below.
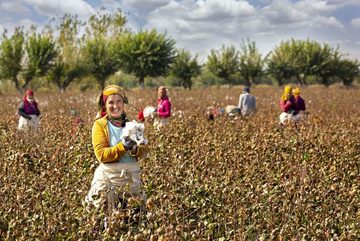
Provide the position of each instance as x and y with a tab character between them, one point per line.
134	131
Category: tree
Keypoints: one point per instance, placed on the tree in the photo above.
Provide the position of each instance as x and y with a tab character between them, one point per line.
99	48
348	70
185	68
280	63
100	58
40	55
146	53
11	56
68	65
328	64
251	63
223	63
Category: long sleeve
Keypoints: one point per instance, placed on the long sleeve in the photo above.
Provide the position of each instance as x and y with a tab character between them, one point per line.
241	101
285	105
21	111
165	110
301	103
103	152
37	111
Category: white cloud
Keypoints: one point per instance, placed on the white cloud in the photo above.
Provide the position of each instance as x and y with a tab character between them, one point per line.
60	7
202	25
344	2
220	9
315	6
145	6
13	6
326	22
26	23
355	23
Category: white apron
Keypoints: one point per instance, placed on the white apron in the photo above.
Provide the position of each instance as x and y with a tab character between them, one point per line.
25	124
113	180
285	118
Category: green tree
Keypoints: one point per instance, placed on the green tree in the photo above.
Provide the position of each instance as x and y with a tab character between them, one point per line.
40	55
68	65
99	46
328	64
280	63
11	56
348	70
100	59
251	63
107	24
185	68
223	63
146	53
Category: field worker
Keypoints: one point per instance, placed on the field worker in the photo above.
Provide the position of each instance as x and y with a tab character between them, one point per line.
289	107
163	110
118	176
29	112
299	100
247	103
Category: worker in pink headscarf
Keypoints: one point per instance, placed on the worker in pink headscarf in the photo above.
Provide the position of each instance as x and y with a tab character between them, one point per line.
29	112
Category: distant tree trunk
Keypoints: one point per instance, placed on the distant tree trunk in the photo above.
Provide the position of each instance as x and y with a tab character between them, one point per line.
142	82
17	85
101	82
27	81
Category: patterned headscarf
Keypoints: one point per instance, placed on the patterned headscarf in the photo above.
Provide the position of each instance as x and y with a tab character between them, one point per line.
287	91
109	90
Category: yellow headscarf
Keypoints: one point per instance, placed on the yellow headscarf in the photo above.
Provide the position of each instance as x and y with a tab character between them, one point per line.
287	91
109	90
296	92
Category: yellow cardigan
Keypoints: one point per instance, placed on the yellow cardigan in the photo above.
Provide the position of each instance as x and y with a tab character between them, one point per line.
103	151
100	140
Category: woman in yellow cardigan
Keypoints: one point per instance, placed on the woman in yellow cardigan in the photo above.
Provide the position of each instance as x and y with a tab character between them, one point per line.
118	175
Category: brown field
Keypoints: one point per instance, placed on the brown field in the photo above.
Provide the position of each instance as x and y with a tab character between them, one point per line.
222	180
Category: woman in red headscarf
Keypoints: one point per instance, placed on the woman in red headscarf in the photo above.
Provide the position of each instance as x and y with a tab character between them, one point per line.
28	111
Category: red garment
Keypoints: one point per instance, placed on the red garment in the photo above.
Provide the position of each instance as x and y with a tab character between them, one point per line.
164	107
30	108
289	106
140	116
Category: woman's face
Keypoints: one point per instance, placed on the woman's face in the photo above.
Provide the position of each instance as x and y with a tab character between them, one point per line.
114	105
30	98
161	92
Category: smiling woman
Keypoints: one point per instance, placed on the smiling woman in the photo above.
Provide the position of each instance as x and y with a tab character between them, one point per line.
118	175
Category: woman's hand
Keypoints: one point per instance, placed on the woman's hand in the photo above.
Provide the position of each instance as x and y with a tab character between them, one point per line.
128	144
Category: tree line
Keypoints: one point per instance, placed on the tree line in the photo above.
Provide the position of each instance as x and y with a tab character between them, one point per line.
69	50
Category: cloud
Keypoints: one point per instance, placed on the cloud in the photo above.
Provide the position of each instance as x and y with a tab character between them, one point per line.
26	23
220	9
230	21
13	6
341	3
145	6
60	7
355	23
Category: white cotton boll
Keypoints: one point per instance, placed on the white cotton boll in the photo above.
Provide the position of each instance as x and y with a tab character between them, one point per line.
148	111
230	108
135	131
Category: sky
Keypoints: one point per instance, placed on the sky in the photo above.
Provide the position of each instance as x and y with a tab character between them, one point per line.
202	25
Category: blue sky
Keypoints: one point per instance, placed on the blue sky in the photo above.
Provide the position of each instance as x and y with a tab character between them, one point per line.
208	24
